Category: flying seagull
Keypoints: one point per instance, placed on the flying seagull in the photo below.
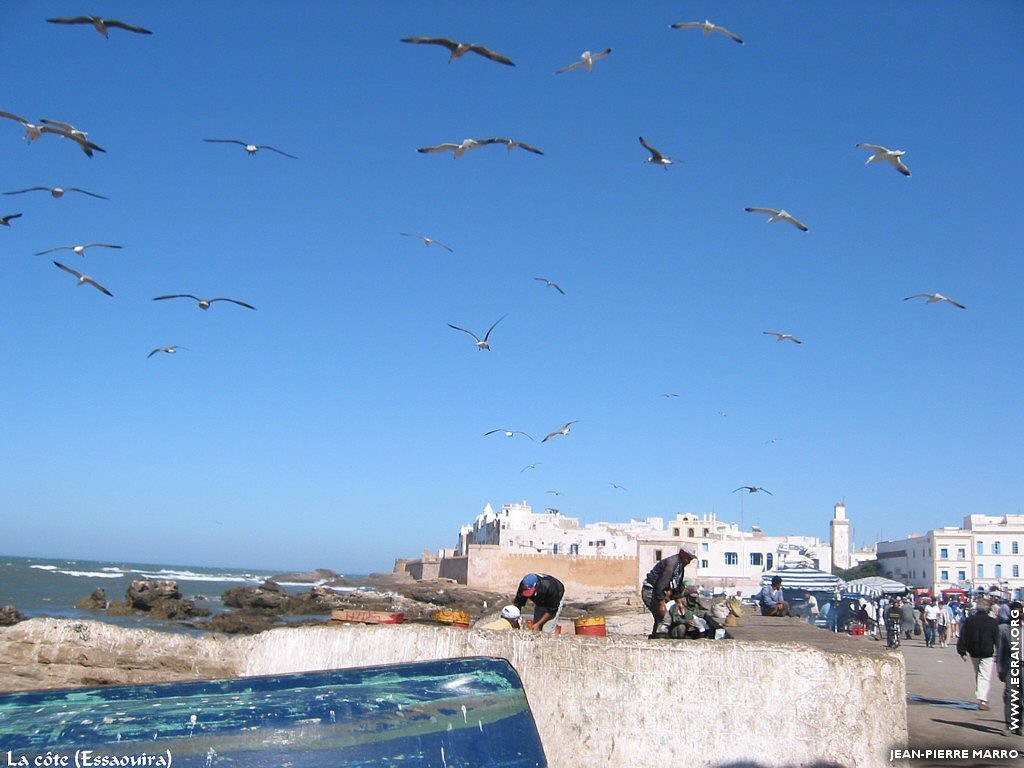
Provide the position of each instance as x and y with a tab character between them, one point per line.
101	25
722	413
203	303
891	156
620	487
707	28
57	192
508	432
670	394
782	336
6	220
84	278
480	345
656	157
586	61
557	493
78	249
530	466
511	144
69	131
251	149
428	241
550	284
458	150
773	441
563	431
458	50
33	132
753	489
169	350
934	297
778	216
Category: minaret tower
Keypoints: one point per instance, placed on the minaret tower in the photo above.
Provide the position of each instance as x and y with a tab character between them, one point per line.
839	535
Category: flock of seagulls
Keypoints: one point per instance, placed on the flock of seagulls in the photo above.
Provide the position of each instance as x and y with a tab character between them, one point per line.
34	131
457	50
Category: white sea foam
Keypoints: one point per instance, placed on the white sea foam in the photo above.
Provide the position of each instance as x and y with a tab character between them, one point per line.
167	573
86	574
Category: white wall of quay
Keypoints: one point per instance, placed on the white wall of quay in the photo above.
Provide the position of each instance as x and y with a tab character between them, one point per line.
620	701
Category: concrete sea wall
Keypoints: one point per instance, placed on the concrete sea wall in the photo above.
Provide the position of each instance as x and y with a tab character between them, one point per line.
614	701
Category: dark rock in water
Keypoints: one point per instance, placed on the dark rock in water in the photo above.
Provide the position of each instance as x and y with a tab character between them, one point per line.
160	598
312	577
119	608
316	600
269	597
272	586
97	601
236	623
176	609
144	592
10	615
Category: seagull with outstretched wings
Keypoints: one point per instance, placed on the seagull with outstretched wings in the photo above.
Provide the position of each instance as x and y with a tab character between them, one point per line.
458	50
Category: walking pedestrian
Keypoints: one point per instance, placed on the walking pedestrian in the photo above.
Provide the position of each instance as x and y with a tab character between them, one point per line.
942	625
907	617
931	621
978	638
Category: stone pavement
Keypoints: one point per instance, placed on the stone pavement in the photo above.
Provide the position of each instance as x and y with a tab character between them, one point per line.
938	673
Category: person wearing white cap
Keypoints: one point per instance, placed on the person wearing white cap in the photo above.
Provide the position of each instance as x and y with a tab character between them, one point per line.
509	619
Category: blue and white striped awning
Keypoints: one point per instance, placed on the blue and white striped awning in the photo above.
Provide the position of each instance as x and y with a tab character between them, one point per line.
876	586
803	577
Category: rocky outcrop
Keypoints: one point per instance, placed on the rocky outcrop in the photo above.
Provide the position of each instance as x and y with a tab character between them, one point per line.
268	597
144	592
160	598
97	601
9	616
316	576
316	600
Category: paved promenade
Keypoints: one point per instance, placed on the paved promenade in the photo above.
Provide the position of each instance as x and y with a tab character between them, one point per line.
938	673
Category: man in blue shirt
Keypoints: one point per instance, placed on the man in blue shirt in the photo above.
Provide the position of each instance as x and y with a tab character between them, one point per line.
772	600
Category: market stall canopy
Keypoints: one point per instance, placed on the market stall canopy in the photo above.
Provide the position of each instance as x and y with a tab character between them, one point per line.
876	586
803	577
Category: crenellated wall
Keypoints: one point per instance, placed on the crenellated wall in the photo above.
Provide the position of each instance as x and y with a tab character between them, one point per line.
490	568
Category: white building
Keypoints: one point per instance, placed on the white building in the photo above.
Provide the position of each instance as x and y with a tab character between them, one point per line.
518	529
987	551
728	557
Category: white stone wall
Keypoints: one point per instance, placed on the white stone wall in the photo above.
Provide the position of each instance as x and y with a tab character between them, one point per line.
632	702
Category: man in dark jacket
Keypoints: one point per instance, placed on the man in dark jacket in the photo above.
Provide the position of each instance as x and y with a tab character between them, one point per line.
978	638
663	583
546	592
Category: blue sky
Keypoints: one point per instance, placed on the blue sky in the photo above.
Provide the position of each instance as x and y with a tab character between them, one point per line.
341	424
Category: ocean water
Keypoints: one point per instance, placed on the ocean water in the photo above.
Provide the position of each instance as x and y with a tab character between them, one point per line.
46	587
